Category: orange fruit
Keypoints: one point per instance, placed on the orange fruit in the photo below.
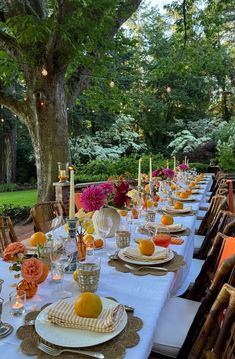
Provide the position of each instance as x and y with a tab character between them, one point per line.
149	203
192	184
188	191
173	186
88	305
177	193
88	238
167	220
178	205
123	212
75	276
156	198
155	204
38	238
98	243
146	247
183	195
44	273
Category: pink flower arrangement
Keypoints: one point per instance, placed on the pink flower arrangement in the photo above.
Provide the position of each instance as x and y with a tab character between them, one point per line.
14	251
108	193
32	269
164	174
183	167
93	198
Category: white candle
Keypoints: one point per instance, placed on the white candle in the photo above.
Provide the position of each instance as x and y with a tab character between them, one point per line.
185	160
150	170
167	164
139	173
56	277
71	198
174	162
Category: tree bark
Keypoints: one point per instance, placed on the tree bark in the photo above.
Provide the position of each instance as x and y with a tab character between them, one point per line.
8	155
49	133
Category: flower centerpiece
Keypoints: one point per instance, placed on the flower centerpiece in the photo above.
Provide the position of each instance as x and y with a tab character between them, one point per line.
183	167
164	174
31	269
105	198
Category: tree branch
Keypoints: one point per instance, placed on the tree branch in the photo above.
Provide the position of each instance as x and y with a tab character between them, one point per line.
81	76
9	44
184	5
17	107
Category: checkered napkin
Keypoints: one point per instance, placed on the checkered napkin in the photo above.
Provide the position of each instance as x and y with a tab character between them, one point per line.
63	314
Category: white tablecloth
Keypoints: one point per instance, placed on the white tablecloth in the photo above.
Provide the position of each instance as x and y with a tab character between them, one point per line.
147	294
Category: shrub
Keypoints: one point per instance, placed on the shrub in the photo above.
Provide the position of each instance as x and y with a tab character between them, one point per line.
226	158
17	213
8	187
200	167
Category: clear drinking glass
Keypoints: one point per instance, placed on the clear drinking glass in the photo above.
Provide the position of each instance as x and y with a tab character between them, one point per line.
162	237
5	328
88	274
17	300
61	254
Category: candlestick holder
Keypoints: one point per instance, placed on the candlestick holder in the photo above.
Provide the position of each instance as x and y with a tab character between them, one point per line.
72	226
63	174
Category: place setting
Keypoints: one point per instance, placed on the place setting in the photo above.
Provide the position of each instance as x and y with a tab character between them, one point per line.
88	325
178	209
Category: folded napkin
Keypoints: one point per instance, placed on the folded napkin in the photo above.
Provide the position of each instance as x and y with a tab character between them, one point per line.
63	314
133	253
173	210
171	227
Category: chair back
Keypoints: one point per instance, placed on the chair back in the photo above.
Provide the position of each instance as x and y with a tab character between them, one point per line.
226	273
7	233
218	203
223	222
216	338
218	186
47	216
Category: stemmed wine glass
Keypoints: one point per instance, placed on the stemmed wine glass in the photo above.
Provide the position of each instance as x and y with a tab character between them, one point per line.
61	255
105	226
5	328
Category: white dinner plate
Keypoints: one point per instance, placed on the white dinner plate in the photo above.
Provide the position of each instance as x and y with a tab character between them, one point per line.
133	261
188	199
71	337
172	210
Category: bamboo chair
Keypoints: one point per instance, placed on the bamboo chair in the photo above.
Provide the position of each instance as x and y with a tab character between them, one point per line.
184	308
7	233
218	203
216	340
224	222
208	269
47	216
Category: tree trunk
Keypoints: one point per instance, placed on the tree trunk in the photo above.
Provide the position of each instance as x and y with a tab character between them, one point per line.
8	155
49	133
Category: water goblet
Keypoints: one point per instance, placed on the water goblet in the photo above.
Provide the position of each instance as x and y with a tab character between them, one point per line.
5	328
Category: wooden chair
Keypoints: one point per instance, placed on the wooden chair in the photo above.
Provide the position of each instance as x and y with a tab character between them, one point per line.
7	233
224	222
48	216
209	269
218	203
190	315
216	339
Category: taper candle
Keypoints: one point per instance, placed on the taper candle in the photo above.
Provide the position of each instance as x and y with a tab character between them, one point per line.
167	164
71	198
174	162
150	170
185	160
139	173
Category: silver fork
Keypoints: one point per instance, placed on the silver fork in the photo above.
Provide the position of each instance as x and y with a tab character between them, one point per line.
56	352
144	267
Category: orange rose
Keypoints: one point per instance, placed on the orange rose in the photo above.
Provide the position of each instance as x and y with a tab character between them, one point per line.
32	269
12	251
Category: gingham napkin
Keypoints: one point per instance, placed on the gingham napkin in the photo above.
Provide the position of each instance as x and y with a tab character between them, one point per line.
63	314
173	210
134	253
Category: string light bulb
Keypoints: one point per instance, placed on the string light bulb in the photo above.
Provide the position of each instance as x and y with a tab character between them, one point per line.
112	83
168	89
44	72
2	120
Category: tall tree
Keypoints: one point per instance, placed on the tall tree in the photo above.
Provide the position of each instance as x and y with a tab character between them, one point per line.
50	48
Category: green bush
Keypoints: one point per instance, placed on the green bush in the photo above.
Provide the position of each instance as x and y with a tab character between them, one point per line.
17	213
200	167
226	159
8	187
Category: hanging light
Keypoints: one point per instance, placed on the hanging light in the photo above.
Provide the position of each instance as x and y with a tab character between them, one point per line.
44	72
112	83
2	120
168	89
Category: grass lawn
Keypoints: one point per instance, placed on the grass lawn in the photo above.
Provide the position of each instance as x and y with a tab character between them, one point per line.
23	198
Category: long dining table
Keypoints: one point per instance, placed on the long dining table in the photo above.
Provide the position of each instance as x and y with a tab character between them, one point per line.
147	294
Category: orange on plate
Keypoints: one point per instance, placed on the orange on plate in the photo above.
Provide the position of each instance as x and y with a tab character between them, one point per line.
146	247
178	205
167	220
155	204
38	238
184	195
88	305
98	243
188	191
